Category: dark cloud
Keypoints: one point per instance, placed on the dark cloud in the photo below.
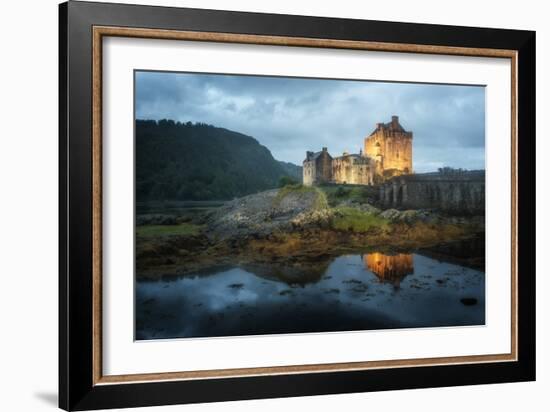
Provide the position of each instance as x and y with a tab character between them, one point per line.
290	115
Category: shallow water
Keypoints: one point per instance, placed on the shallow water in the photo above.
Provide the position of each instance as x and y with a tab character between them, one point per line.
350	292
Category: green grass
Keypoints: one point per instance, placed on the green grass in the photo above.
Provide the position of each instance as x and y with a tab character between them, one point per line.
348	218
338	194
167	230
321	201
297	188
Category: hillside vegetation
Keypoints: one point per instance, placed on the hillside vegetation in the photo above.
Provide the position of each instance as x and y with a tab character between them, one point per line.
186	161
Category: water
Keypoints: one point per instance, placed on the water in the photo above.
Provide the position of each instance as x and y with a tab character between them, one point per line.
350	292
177	208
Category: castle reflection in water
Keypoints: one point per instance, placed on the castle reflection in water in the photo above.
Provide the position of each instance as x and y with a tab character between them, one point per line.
389	268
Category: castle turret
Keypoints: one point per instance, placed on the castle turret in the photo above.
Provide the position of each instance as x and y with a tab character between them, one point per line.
317	167
391	145
395	121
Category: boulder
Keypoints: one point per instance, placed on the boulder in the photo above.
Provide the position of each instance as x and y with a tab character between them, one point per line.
410	216
264	213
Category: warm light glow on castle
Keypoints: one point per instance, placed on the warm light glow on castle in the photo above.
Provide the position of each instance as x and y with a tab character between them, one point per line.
387	152
389	268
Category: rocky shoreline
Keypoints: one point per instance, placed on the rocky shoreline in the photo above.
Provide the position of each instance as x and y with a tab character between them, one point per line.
292	227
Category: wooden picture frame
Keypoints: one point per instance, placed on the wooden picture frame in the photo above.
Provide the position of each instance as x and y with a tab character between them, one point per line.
83	26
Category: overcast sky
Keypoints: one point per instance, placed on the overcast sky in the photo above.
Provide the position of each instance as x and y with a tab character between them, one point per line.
290	116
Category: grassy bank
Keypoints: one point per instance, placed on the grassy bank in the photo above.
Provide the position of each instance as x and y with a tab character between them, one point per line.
182	229
358	221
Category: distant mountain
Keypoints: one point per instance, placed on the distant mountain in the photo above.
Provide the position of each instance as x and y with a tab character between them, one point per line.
186	161
292	170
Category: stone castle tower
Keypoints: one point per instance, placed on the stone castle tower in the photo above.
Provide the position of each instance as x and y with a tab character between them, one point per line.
317	168
391	145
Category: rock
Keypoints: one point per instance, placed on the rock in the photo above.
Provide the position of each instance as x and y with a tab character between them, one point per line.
366	207
313	218
390	214
468	301
262	214
410	216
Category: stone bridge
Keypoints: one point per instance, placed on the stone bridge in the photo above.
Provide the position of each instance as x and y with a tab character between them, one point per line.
456	191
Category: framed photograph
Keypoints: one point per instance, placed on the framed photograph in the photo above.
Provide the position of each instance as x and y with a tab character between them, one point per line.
256	205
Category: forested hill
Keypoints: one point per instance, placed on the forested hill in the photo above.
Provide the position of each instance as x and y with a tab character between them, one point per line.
185	161
292	170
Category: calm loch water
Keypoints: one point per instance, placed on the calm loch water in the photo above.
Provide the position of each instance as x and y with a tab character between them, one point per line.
350	292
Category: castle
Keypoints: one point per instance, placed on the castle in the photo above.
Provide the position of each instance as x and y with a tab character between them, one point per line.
389	268
387	152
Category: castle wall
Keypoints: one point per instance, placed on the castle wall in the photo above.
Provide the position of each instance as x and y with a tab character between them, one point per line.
323	168
392	146
352	170
317	168
308	173
452	193
393	149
